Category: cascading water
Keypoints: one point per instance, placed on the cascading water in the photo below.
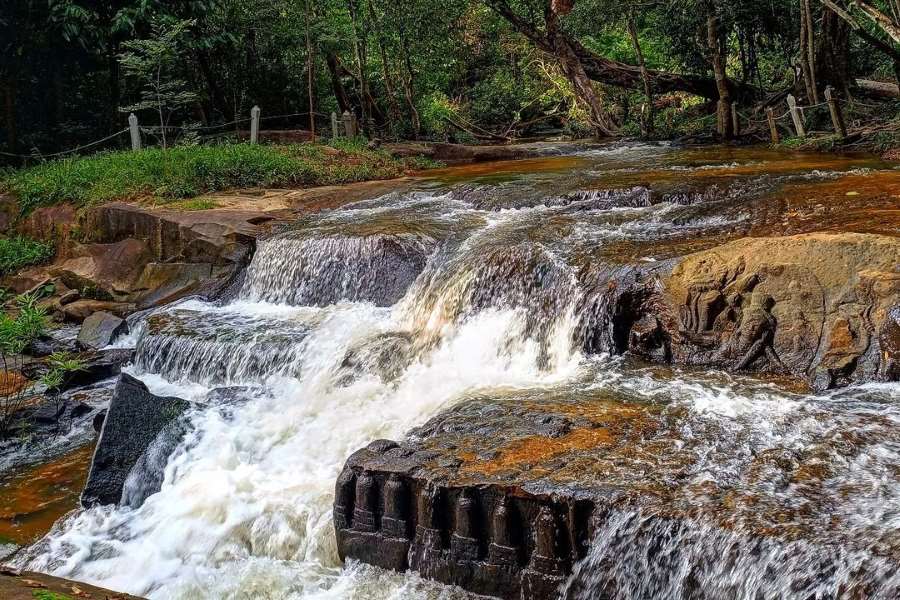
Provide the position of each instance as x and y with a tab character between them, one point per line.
360	324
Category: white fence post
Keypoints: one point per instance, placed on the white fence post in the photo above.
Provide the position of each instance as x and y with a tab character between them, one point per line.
135	132
349	124
795	115
335	132
254	125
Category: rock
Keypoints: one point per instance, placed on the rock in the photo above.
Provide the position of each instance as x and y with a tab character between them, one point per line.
816	306
80	310
69	297
100	329
97	423
97	366
133	422
24	585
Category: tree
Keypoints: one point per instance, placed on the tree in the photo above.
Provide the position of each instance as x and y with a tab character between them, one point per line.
154	62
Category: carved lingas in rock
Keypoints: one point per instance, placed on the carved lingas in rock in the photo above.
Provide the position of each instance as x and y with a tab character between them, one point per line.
427	535
544	559
393	523
366	504
501	552
464	543
343	498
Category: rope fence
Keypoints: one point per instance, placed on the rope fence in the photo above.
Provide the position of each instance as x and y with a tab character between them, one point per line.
798	120
345	125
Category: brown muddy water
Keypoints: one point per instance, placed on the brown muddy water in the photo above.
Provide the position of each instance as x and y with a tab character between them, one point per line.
364	321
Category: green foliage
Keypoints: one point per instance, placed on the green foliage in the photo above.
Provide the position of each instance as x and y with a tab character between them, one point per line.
19	252
27	324
153	61
185	172
48	595
61	364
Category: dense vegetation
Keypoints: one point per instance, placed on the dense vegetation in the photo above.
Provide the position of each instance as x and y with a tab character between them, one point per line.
189	171
18	252
470	69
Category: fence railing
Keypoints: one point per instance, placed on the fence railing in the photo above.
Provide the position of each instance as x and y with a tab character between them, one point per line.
345	125
794	119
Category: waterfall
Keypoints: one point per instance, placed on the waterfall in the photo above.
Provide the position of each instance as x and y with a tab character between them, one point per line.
362	323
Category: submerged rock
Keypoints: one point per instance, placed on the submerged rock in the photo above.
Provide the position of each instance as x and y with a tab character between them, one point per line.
133	423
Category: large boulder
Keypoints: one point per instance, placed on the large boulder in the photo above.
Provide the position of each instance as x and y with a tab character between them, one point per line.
99	330
134	421
817	306
821	307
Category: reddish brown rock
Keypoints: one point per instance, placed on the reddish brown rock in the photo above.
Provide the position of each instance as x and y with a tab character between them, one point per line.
817	306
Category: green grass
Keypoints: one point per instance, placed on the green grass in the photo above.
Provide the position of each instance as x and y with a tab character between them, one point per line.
19	252
192	205
187	172
48	595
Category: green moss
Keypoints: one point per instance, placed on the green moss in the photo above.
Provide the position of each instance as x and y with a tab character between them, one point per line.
192	205
48	595
186	172
19	252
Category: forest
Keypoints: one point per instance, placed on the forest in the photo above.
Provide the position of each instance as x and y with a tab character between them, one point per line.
458	70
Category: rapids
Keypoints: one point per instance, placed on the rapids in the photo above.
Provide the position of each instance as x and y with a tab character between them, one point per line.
362	322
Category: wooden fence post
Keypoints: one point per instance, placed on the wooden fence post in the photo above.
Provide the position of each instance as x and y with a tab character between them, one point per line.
254	125
720	118
135	132
735	119
335	132
349	120
795	115
834	108
773	126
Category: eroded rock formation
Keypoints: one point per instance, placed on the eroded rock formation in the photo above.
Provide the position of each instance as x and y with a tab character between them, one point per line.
819	306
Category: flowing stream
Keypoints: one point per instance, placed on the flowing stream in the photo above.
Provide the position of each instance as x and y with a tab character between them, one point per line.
362	322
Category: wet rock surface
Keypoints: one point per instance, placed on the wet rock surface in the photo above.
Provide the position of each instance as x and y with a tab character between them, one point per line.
818	306
133	422
25	585
99	330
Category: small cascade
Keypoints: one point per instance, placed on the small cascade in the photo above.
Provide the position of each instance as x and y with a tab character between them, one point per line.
635	556
295	269
222	348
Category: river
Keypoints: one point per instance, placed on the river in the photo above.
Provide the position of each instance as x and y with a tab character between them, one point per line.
362	322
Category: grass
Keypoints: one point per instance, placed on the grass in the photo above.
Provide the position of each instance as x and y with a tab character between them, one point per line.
19	252
187	172
48	595
192	205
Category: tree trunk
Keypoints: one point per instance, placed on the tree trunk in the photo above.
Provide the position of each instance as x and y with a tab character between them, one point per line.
337	84
647	120
717	58
217	95
882	46
811	50
574	71
360	52
804	53
409	83
611	72
393	108
310	71
832	51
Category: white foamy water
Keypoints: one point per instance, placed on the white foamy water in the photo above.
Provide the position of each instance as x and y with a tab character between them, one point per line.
472	301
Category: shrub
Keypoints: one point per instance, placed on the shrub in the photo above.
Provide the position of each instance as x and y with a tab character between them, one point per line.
19	252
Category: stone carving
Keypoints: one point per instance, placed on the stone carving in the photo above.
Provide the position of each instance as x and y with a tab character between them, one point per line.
466	537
